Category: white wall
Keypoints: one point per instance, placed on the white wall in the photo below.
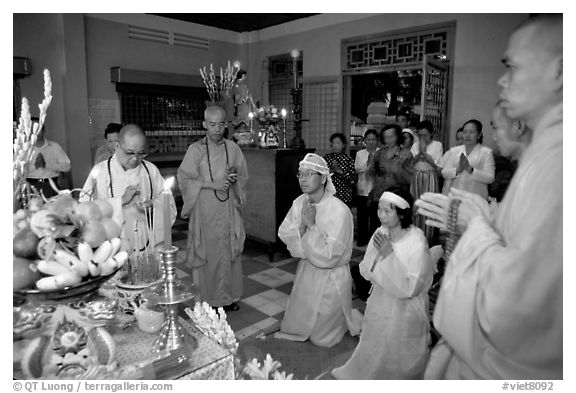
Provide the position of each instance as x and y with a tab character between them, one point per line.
480	41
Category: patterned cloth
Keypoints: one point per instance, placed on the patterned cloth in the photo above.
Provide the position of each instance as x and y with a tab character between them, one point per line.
394	171
343	182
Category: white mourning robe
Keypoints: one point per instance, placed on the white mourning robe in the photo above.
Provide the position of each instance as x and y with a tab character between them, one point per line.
396	326
129	214
500	304
320	304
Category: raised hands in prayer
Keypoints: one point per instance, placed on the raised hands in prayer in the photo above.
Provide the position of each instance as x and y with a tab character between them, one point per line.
308	215
463	165
383	244
435	208
336	168
40	162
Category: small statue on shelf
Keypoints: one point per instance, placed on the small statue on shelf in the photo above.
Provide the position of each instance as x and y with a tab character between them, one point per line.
243	103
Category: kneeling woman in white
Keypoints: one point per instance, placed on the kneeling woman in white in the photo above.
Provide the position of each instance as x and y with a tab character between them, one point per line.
395	329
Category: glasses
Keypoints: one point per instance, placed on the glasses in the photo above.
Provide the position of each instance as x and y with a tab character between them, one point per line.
133	154
305	175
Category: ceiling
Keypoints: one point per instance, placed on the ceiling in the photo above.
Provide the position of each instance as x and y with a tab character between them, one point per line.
237	22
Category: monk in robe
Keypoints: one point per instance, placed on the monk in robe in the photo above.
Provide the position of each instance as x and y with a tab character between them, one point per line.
318	229
129	183
500	304
212	178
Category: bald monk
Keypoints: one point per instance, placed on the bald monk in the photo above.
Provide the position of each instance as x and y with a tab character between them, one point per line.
129	182
500	304
212	178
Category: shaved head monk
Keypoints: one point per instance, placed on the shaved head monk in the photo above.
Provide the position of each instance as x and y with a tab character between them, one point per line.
499	310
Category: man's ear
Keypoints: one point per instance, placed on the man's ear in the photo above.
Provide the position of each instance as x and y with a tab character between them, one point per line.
558	73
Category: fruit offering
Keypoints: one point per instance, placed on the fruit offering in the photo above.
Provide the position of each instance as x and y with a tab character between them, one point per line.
64	242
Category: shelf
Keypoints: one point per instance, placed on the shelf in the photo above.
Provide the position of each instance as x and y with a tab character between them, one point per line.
169	156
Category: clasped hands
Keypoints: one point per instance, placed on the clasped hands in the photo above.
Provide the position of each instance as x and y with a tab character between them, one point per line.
308	216
463	165
435	207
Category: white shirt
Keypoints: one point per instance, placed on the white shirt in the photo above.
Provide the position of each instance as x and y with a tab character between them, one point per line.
482	161
434	149
55	158
365	183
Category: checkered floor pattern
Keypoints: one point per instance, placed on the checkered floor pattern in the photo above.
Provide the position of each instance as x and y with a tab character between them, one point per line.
267	285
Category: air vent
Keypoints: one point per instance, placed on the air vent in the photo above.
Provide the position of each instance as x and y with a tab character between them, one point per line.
166	37
190	41
146	34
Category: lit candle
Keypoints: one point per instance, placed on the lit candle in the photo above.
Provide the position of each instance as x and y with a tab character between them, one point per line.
166	194
251	116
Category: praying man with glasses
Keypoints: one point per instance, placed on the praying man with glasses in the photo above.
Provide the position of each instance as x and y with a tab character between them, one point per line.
128	183
319	230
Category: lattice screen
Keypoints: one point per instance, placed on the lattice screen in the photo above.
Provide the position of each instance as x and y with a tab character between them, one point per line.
320	109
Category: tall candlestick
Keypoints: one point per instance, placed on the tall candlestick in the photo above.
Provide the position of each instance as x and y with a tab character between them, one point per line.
295	53
167	222
251	116
284	143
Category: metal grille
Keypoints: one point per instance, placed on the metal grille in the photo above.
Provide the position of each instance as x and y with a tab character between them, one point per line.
171	123
320	109
407	49
435	93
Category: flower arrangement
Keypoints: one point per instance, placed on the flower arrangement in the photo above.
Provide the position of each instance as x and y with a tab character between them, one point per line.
268	370
25	139
219	90
214	325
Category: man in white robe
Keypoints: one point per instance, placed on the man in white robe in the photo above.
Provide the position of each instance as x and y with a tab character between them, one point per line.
318	229
500	305
127	181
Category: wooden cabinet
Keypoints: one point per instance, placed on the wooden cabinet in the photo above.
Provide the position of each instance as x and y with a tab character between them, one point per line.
270	191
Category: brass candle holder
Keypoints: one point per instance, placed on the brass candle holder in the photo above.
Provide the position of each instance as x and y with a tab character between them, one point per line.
170	293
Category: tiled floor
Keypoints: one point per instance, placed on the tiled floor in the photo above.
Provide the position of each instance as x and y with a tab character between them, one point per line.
267	285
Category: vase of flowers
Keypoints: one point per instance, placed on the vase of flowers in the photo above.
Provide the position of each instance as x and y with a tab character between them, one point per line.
218	87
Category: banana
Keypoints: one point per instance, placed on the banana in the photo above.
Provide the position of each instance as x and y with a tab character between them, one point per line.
103	252
58	282
69	260
121	258
108	267
87	256
116	243
85	252
52	268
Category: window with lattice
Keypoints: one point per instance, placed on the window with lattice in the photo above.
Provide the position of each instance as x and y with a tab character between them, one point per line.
320	112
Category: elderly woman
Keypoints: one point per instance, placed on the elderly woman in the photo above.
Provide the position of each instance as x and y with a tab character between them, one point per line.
427	155
396	326
469	167
342	168
393	166
111	136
